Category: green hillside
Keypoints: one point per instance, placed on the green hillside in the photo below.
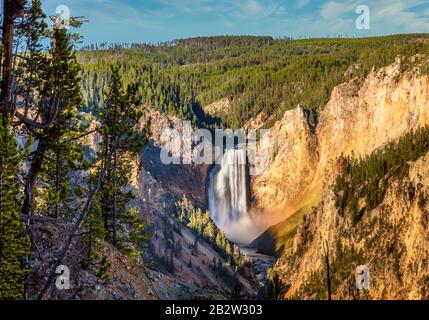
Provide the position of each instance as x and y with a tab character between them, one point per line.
258	74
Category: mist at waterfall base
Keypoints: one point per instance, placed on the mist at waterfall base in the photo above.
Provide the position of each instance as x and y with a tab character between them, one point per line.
228	199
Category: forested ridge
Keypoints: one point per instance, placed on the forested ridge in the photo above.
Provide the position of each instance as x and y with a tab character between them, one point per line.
205	228
257	74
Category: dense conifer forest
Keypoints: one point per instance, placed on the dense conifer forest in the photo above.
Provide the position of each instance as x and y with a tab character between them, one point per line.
257	74
368	178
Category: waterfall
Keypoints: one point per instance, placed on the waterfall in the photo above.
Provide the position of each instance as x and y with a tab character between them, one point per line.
228	193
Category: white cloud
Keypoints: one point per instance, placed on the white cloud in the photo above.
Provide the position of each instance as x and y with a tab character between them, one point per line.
387	16
336	9
253	9
400	13
243	9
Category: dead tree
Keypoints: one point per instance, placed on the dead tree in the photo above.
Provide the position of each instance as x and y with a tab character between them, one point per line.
12	9
328	273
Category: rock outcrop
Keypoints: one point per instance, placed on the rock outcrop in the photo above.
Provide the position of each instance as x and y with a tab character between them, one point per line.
292	162
392	241
361	116
180	179
218	108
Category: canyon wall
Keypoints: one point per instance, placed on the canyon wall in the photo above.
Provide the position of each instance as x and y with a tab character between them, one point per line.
180	179
361	116
292	162
392	240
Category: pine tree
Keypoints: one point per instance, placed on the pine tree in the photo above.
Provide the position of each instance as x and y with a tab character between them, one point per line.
103	270
228	247
209	231
95	235
276	289
14	244
93	240
132	227
119	117
236	289
59	150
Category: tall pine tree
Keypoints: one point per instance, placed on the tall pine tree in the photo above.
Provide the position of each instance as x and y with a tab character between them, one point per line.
119	117
14	244
59	150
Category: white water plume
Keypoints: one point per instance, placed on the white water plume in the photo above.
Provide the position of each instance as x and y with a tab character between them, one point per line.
228	197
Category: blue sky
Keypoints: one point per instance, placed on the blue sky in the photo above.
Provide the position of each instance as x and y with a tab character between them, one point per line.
160	20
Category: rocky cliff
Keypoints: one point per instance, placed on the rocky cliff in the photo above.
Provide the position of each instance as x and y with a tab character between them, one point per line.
361	116
180	179
292	162
391	240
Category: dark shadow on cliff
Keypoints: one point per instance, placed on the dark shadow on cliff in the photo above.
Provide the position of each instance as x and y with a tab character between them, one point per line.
180	179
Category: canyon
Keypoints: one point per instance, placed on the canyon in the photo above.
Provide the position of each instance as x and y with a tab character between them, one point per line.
288	210
360	117
213	167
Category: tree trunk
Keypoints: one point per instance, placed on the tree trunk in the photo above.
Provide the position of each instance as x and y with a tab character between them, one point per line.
114	209
328	274
11	9
33	174
89	246
9	12
57	182
35	168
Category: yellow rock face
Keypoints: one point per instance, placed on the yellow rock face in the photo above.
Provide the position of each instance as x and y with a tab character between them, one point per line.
392	239
359	118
